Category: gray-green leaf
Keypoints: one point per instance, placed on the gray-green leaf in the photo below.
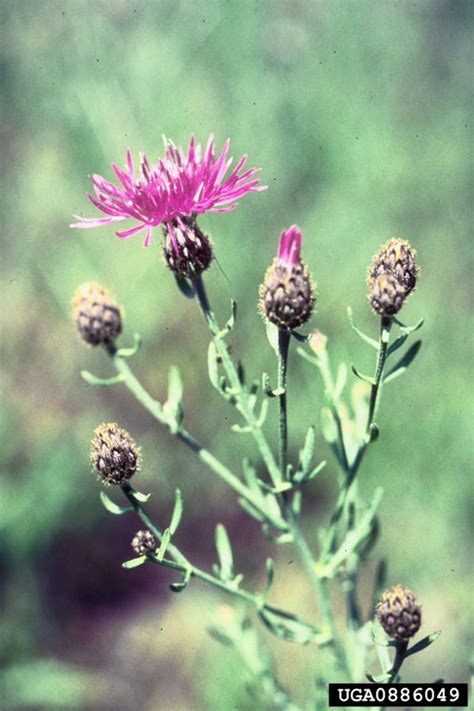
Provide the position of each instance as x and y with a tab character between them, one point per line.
403	363
224	551
112	507
177	512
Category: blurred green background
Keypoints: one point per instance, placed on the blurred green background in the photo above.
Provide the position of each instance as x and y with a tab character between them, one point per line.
360	114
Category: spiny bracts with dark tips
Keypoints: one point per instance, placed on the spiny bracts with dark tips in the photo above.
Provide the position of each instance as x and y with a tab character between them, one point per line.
386	295
144	542
399	613
114	454
396	257
96	314
187	250
287	294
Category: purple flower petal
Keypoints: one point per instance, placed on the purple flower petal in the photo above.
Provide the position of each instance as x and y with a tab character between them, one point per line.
178	185
289	247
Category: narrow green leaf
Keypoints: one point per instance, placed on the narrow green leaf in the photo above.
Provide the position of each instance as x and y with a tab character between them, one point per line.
423	643
134	562
142	498
224	551
263	414
230	322
341	381
310	475
112	507
296	503
403	363
301	337
179	587
173	407
311	359
278	489
177	512
160	554
253	512
220	637
133	350
272	335
250	474
237	580
380	679
328	425
241	429
270	568
382	649
280	539
380	579
185	287
409	329
306	454
287	626
101	382
212	365
371	341
355	539
398	343
361	376
175	386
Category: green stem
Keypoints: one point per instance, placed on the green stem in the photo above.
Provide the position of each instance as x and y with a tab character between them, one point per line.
256	659
321	588
330	388
400	654
351	472
239	389
180	559
156	410
302	548
375	394
182	564
283	349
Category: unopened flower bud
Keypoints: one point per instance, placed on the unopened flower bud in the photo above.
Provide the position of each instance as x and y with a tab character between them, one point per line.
144	542
398	258
187	249
114	454
386	295
399	613
287	293
318	342
96	314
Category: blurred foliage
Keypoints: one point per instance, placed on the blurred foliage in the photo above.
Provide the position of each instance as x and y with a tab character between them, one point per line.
360	114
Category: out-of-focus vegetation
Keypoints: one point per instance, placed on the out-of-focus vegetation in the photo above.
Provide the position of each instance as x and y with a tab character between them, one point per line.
360	115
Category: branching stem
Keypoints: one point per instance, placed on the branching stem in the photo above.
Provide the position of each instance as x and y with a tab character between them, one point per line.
352	469
241	393
181	563
301	545
156	410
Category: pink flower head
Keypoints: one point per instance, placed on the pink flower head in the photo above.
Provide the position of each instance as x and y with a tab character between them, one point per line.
289	247
173	189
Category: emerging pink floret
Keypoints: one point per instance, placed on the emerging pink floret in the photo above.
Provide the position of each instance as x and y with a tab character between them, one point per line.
289	247
178	186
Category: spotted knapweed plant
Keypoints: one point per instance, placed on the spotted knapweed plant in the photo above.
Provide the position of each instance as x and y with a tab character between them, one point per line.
171	194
